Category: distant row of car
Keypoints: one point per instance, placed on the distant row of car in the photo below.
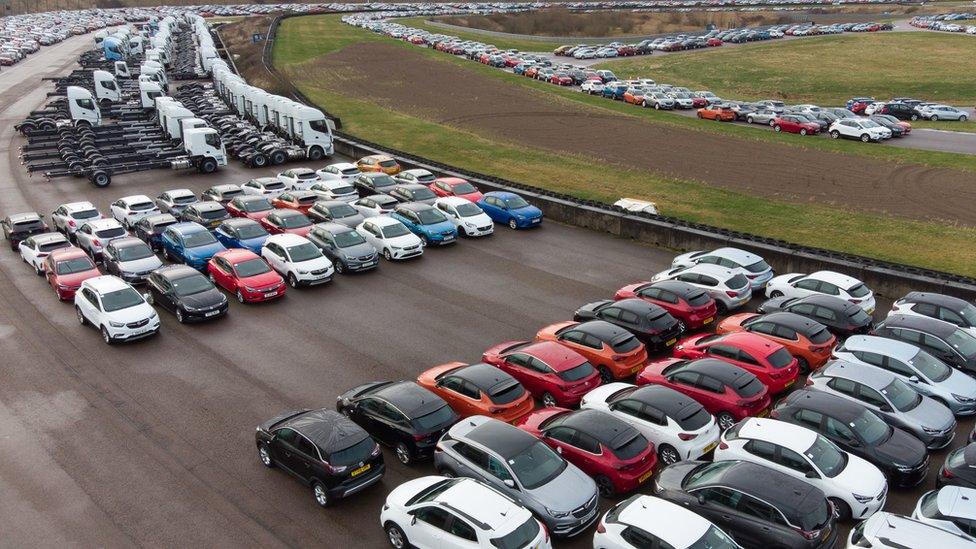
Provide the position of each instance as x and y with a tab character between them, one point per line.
946	22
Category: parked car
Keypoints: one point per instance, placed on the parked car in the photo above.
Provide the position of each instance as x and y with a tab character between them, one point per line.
94	235
685	302
390	238
612	350
286	221
643	521
298	179
841	317
130	209
250	206
427	222
556	375
885	529
865	130
186	293
793	123
190	243
649	323
379	163
242	233
510	209
807	340
66	268
951	508
374	205
750	265
942	112
207	213
221	194
455	186
345	247
246	275
339	171
959	468
35	249
335	211
269	187
299	261
174	201
823	282
943	340
130	259
67	218
335	189
467	217
771	362
939	306
728	289
717	112
374	183
150	229
298	200
413	192
478	389
115	309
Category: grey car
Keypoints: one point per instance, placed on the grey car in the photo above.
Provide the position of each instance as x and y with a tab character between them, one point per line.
345	247
414	192
335	211
130	259
762	116
889	397
523	468
922	371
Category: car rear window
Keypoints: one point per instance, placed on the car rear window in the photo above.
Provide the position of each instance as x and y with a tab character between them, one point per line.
353	454
577	373
625	345
307	199
737	281
699	299
261	205
110	233
693	417
140	206
820	336
631	448
505	393
307	175
342	189
858	316
520	537
815	518
750	388
88	214
294	221
213	214
440	417
274	185
859	290
781	358
758	267
388	163
181	200
51	246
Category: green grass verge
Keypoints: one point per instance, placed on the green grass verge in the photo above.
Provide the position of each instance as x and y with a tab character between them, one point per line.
499	41
968	126
924	244
825	70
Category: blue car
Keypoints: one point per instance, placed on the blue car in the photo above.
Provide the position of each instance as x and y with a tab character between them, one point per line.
614	90
190	243
241	232
427	222
511	209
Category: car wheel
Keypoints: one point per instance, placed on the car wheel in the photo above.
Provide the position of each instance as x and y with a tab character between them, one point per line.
167	256
777	129
340	267
720	307
292	281
804	365
803	131
38	270
835	134
644	104
212	279
604	485
265	455
387	255
106	337
396	536
865	138
725	421
424	240
81	316
548	400
668	454
321	494
843	510
150	299
963	118
914	117
605	375
403	454
179	316
657	106
512	224
935	118
750	120
775	294
240	296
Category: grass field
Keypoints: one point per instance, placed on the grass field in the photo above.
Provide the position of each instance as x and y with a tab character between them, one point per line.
925	244
825	70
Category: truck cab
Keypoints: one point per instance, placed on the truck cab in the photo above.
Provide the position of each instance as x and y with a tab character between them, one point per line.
204	149
106	88
148	92
308	126
82	107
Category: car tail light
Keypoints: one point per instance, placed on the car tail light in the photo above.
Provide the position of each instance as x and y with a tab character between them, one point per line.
615	358
334	469
809	382
97	242
813	534
732	293
752	277
854	301
687	436
723	446
544	529
774	414
601	528
71	223
418	438
946	473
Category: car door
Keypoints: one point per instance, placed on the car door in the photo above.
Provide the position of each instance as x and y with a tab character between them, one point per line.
719	505
283	449
462	396
569	443
154	285
805	287
88	304
223	274
642	417
225	237
390	423
276	257
429	529
365	413
519	365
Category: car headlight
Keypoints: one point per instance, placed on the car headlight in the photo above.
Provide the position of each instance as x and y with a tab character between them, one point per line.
303	272
862	499
962	398
116	324
904	468
557	514
931	431
469	225
250	289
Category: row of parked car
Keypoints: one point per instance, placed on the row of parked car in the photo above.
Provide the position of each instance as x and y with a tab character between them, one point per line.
23	35
947	22
906	108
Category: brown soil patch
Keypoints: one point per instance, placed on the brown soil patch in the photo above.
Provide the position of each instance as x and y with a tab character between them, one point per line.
443	92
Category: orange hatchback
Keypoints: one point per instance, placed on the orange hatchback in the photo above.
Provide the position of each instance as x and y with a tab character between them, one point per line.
807	340
478	389
714	112
613	351
379	163
634	96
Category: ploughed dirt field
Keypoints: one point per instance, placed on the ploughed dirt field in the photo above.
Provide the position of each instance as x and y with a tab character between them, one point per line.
451	95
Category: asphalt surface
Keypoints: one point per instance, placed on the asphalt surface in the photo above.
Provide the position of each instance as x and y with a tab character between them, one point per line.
152	443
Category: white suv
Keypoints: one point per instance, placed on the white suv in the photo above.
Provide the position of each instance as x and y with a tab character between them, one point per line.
641	518
857	128
115	309
297	259
896	531
129	210
68	218
445	513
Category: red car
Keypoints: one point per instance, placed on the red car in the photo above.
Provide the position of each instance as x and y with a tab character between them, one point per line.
561	79
699	102
725	390
300	201
65	270
287	221
250	206
614	453
771	362
556	375
712	42
692	306
612	350
792	124
455	186
245	274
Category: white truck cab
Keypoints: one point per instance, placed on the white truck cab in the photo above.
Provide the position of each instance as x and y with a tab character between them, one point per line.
106	87
82	107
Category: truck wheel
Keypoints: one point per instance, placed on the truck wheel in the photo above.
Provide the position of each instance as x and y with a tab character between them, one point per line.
259	160
278	157
316	153
208	165
83	124
100	179
27	128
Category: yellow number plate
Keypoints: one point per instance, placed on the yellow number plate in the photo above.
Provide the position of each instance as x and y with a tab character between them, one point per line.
709	448
360	471
644	477
763	413
671	341
708	320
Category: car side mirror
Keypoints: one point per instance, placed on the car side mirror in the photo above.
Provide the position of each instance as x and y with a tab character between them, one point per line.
145	296
559	450
885	408
509	482
913	379
701	499
413	520
812	474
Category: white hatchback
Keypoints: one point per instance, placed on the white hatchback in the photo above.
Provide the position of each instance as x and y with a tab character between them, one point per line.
469	219
671	524
130	209
823	282
297	259
391	238
340	171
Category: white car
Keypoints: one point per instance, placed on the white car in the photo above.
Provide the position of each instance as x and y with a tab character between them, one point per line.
94	235
68	218
730	290
115	309
457	513
592	87
890	531
812	109
130	209
859	128
960	312
335	189
340	171
855	487
375	205
174	201
822	282
297	259
415	175
35	249
391	238
950	508
874	108
264	186
669	523
679	427
748	264
298	178
469	219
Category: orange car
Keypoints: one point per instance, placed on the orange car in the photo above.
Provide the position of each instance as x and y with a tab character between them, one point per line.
613	351
379	163
634	96
295	200
478	389
718	113
807	340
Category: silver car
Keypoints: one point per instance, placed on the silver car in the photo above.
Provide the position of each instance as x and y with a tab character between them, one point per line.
922	371
335	211
523	468
345	247
130	259
95	235
729	289
889	397
762	116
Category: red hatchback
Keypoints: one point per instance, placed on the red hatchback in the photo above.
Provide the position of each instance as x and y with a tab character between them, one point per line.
793	124
692	306
245	274
613	452
287	221
771	362
66	269
250	206
455	186
301	201
725	390
553	373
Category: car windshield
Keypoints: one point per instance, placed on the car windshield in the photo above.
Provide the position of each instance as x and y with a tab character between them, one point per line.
968	312
577	373
251	230
441	417
714	539
74	265
197	239
353	454
304	252
214	214
468	210
392	231
251	267
464	188
871	428
121	299
781	358
901	396
85	214
134	253
192	284
858	290
536	465
110	233
519	537
750	387
259	205
348	238
342	210
827	457
963	342
515	202
431	216
705	473
820	336
930	367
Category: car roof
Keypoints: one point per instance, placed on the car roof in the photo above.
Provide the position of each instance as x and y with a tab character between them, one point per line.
135	198
335	228
779	432
665	399
876	378
67	253
45	238
505	440
179	192
343	165
603	330
287	239
106	283
829	404
328	429
239	222
418	171
160	218
481	375
483	504
788	494
956	501
501	194
207	205
682	289
410	398
225	187
935	299
75	206
384	220
186	227
841	280
750	342
414	206
797	322
103	223
727	373
237	254
608	429
829	301
660	517
266	180
902	531
722	273
883	345
453	200
926	324
174	272
126	241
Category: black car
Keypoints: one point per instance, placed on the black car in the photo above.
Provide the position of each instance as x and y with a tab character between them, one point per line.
209	214
130	259
18	227
151	228
902	111
651	324
842	318
891	123
324	450
399	414
345	247
943	307
856	429
185	292
413	192
959	468
373	183
757	505
221	193
944	340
